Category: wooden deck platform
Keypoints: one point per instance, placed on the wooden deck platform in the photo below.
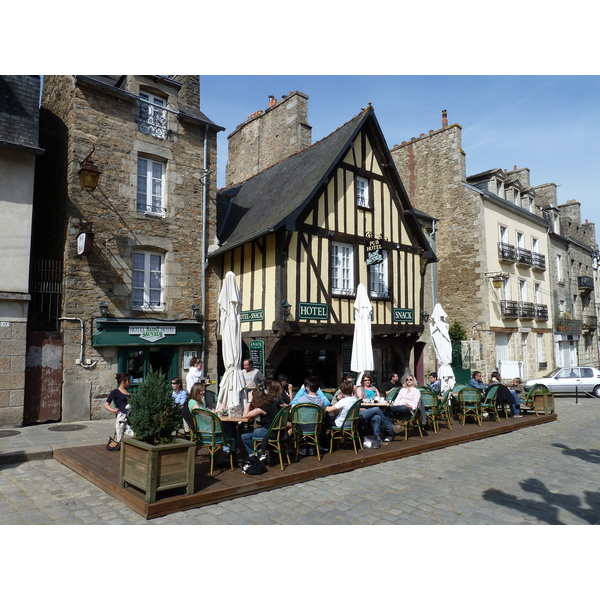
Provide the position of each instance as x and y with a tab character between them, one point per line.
101	468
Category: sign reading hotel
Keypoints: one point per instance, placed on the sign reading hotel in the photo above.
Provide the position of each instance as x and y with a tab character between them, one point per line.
404	315
373	252
311	310
152	334
252	315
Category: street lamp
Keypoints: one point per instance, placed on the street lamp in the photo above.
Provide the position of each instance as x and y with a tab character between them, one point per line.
89	174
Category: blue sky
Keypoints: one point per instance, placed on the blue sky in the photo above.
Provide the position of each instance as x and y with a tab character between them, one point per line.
550	124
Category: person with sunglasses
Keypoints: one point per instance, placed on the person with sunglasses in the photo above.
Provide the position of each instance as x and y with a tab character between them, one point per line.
406	401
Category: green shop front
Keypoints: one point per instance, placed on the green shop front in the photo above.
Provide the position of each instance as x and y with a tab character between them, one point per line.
144	344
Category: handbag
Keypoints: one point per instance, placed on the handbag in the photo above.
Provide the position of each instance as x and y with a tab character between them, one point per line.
371	441
113	445
253	466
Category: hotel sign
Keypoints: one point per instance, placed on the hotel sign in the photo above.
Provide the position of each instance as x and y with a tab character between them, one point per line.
311	310
373	253
152	334
252	315
404	315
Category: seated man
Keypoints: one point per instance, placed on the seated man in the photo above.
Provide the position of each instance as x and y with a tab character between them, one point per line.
393	382
345	400
476	381
338	395
299	397
434	383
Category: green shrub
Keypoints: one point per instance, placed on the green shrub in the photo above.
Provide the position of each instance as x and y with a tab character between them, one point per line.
457	332
154	415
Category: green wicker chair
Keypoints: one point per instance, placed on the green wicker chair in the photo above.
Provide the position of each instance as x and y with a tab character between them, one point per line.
348	430
389	397
407	423
307	421
489	404
528	403
443	410
430	404
275	435
468	404
207	432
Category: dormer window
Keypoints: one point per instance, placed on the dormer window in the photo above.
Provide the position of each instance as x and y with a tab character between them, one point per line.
152	117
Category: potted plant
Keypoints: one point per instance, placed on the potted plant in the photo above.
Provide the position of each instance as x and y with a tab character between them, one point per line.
153	459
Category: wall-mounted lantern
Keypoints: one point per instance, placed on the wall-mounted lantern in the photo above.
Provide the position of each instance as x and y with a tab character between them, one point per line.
424	316
89	174
286	308
103	309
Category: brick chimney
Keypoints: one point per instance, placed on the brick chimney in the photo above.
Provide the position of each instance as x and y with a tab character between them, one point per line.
444	119
272	101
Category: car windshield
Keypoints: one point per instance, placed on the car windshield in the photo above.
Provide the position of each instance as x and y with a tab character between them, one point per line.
553	372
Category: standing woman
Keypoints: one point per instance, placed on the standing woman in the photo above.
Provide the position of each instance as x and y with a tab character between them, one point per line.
120	397
181	398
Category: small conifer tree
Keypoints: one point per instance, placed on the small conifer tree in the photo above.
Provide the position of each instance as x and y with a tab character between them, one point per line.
154	415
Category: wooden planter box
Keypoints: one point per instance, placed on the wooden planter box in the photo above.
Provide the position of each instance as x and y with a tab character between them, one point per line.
156	468
543	403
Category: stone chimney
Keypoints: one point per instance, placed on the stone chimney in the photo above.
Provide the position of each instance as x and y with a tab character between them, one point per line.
444	119
189	94
267	137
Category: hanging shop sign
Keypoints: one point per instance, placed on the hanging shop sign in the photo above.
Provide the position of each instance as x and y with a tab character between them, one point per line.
404	315
373	252
313	311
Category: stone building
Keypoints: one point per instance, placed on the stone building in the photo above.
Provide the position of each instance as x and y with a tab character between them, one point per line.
493	247
119	269
19	149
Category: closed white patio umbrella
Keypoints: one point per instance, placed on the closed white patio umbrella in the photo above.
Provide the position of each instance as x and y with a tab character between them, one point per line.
443	347
362	347
232	383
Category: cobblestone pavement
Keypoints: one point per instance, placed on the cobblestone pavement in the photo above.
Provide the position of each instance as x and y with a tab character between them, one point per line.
547	474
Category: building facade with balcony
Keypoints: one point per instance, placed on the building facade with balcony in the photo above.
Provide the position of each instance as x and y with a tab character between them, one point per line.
573	258
492	246
117	277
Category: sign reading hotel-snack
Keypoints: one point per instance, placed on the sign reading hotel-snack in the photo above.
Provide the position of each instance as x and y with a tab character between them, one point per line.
311	310
252	315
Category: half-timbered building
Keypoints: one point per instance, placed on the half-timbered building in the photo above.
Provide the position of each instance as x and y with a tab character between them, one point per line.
302	234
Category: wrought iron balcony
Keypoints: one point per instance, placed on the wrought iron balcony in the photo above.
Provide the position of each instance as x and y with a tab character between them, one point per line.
510	309
524	257
590	322
152	120
570	326
526	310
538	261
541	312
506	253
585	284
149	209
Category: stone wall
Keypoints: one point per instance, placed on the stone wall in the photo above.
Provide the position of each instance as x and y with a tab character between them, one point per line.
268	137
432	168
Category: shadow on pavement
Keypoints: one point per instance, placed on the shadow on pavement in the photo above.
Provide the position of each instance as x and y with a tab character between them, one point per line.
546	509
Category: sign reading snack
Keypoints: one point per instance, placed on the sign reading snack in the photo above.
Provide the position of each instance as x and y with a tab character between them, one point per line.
257	354
404	315
252	315
152	334
373	252
311	310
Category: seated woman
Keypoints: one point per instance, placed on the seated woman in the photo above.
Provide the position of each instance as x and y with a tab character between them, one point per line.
373	415
504	394
406	400
263	406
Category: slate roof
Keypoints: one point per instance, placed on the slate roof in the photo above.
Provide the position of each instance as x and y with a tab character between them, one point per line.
275	197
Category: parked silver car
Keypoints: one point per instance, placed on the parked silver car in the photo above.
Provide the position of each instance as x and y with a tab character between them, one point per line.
570	379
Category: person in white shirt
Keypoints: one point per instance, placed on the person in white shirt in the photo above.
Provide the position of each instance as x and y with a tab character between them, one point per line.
406	401
340	409
194	374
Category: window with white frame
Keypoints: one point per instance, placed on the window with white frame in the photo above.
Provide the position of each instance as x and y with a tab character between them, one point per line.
503	234
538	293
147	280
362	192
502	340
150	186
378	278
152	117
541	350
342	269
559	273
535	245
520	240
523	290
